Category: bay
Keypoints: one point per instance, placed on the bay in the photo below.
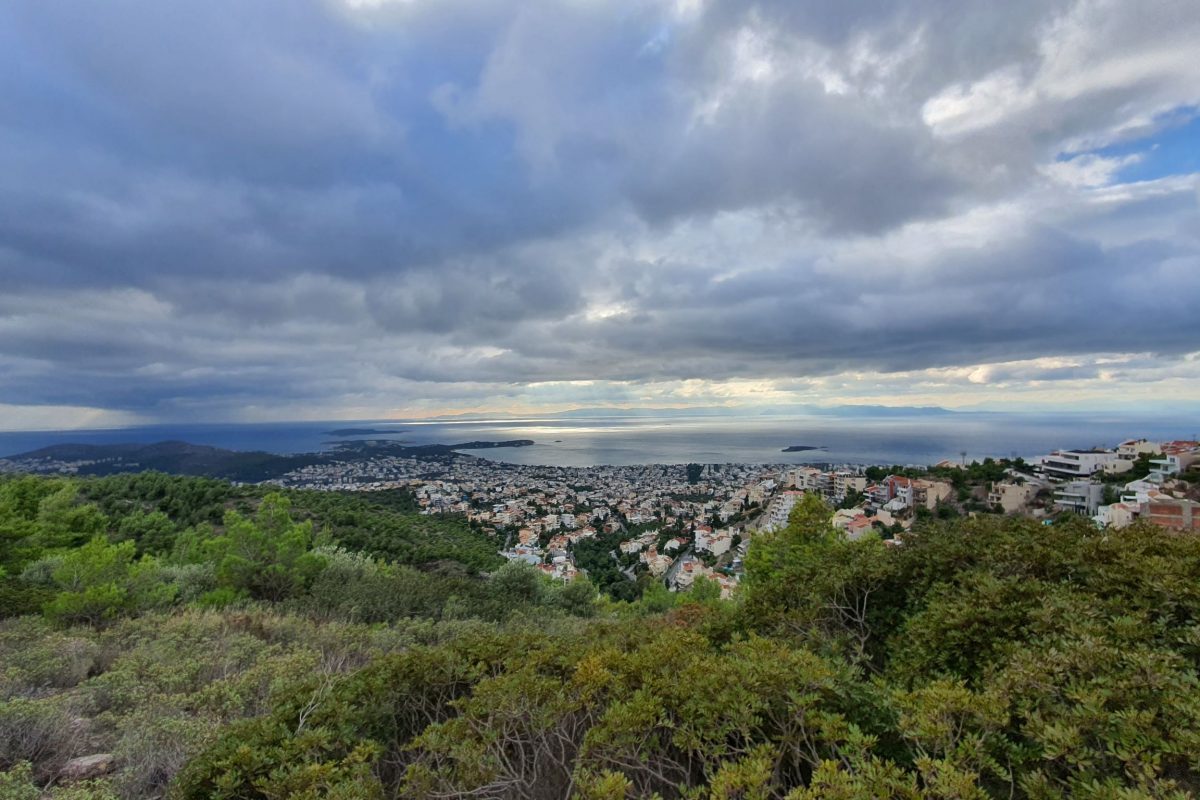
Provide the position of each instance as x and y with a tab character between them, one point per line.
582	442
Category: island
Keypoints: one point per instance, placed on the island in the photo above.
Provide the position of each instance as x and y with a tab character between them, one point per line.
486	445
362	432
800	448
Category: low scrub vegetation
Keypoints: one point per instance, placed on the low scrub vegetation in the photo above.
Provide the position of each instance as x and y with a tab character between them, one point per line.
234	643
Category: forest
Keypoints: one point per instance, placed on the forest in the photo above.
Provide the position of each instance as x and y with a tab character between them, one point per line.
219	641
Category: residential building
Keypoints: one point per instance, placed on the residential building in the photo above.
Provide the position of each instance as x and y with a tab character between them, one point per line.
930	493
1174	513
715	542
1012	497
779	509
1128	453
845	482
1117	515
858	527
1081	497
1176	458
674	544
1073	464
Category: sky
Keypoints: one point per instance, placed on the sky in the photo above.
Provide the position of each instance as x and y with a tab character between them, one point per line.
219	210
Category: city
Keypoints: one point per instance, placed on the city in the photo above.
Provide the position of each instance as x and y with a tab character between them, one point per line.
682	522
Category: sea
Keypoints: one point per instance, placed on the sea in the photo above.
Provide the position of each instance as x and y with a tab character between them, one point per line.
920	439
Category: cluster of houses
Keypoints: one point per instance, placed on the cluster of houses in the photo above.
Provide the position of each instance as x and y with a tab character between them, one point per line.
1079	481
883	504
710	517
1084	482
1154	497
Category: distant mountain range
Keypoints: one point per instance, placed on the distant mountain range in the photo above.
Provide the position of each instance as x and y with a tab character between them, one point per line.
718	411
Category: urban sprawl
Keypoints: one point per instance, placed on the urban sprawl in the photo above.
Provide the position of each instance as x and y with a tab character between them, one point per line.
678	523
683	522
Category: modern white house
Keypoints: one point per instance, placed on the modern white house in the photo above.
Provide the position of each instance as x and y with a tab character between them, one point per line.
1068	464
1176	457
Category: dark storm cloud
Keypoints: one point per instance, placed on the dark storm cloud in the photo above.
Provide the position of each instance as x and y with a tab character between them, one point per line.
207	206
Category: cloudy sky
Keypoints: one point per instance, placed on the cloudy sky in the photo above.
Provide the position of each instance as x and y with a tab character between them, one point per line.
230	210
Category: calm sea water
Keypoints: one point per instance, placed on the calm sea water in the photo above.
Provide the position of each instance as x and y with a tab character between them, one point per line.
588	442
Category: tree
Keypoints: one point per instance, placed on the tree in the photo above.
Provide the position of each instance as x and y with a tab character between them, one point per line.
151	532
808	580
577	597
516	584
100	581
851	499
269	557
64	522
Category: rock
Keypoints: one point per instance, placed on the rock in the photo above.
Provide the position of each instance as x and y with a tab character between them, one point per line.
88	767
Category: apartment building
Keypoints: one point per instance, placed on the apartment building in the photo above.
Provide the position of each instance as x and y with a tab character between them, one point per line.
779	509
1081	497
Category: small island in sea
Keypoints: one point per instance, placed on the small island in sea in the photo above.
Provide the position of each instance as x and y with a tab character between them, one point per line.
362	432
800	448
486	445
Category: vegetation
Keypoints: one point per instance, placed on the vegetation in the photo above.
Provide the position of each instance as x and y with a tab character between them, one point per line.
1140	469
988	470
596	556
223	642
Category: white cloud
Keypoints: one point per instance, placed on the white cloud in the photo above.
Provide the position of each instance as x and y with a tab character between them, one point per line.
1088	170
455	204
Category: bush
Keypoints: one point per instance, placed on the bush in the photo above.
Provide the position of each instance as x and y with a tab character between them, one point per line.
190	581
34	658
16	783
41	732
154	744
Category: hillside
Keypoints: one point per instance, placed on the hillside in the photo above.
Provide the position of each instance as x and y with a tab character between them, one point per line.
184	458
213	641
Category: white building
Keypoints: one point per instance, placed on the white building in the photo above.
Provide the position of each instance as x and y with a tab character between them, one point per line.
780	508
1072	464
674	544
715	542
1082	497
1176	457
1117	515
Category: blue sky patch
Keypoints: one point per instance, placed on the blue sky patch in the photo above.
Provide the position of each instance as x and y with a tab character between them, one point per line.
1174	149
